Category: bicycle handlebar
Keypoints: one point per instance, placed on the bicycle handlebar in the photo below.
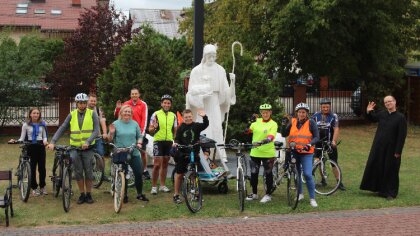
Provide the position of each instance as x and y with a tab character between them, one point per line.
123	149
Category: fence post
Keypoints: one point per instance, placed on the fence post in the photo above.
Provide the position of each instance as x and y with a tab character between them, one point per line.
299	94
63	108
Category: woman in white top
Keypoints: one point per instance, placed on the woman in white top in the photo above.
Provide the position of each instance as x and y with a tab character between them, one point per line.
34	130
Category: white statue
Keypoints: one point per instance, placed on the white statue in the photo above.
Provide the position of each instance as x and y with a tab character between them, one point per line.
209	89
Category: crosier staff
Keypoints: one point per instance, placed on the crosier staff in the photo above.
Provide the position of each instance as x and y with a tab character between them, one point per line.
233	72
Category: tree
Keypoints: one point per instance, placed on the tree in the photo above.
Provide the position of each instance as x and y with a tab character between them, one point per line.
353	42
23	69
152	63
90	49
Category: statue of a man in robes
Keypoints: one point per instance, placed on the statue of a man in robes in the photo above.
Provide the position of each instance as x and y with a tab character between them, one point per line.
209	89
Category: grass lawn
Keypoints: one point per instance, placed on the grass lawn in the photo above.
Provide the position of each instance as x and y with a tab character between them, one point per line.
353	153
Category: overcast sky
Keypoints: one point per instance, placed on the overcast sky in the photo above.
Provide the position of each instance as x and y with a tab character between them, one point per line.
151	4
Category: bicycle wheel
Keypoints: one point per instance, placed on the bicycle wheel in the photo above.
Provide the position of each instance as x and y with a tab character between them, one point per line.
98	170
192	192
278	173
56	179
327	177
66	186
119	187
293	188
25	180
241	188
131	181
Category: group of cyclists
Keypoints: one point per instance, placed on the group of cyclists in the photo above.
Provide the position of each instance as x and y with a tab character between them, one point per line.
307	132
87	122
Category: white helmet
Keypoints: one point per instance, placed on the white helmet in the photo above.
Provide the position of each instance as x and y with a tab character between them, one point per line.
302	105
81	97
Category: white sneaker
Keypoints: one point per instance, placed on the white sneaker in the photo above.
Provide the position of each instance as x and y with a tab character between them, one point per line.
313	203
252	197
164	189
36	192
154	191
300	197
266	198
44	191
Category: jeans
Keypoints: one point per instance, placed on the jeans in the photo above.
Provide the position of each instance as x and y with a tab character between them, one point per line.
305	161
99	146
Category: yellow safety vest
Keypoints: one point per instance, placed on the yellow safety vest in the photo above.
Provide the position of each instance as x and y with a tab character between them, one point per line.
78	137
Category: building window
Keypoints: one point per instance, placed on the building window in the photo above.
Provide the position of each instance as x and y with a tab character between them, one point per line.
56	12
39	11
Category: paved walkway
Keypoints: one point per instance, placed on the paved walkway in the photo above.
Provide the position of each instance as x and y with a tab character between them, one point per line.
389	221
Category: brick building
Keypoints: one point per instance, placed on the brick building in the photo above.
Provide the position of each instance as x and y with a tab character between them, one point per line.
51	18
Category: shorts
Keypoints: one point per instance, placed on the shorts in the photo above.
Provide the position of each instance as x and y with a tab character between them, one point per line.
82	163
162	148
182	160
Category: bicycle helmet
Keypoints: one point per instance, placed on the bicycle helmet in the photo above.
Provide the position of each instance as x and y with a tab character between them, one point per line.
81	97
325	101
166	97
302	106
265	106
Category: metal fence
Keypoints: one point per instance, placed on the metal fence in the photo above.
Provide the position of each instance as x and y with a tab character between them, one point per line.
16	116
344	103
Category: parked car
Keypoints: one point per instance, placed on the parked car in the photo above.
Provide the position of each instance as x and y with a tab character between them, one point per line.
356	102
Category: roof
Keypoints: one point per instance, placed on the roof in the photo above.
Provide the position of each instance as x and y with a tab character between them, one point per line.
40	14
163	21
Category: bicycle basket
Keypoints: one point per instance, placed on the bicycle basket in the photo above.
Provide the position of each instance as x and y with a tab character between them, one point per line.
121	157
207	142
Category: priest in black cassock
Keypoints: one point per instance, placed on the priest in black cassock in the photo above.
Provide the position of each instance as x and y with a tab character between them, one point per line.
383	165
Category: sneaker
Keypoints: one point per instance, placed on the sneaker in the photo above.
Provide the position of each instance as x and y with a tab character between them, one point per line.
44	191
154	191
266	198
313	202
146	175
300	197
142	197
88	198
341	187
125	200
36	192
81	199
251	197
177	199
164	189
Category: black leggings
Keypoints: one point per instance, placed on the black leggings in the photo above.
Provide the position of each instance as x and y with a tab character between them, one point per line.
268	173
37	154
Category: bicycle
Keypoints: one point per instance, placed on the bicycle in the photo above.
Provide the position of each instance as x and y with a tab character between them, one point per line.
289	171
326	171
98	164
241	169
23	172
191	185
119	173
63	162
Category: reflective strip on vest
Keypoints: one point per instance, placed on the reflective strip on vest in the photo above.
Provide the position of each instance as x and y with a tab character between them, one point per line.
78	137
166	124
301	136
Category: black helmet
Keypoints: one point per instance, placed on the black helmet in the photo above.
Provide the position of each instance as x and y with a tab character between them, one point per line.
325	101
166	97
